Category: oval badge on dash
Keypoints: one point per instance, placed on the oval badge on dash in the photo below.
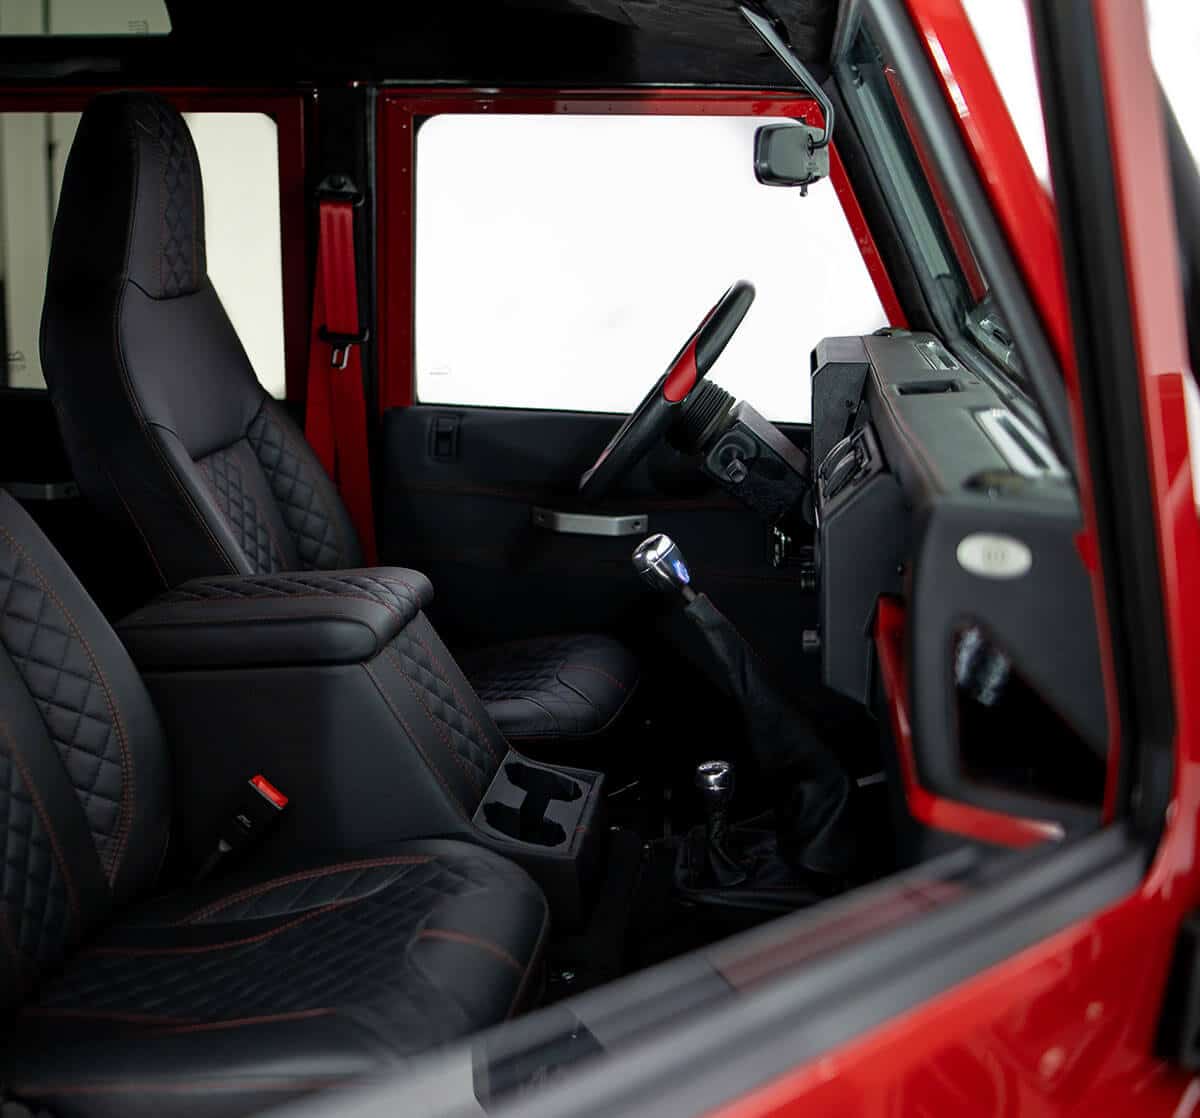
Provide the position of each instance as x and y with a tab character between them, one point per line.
990	556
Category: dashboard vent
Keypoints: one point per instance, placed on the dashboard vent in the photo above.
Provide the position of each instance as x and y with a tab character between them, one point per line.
1019	445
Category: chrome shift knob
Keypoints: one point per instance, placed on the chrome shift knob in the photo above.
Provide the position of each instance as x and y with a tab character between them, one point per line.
714	779
662	565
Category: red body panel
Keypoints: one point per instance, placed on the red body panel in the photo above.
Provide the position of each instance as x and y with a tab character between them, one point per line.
1066	1027
398	113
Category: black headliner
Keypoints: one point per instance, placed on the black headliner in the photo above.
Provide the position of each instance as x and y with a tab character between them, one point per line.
537	42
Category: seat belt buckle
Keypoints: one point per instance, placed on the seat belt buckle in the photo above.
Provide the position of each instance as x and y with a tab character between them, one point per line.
257	813
339	344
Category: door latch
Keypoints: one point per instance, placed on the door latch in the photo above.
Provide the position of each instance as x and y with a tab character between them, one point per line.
443	437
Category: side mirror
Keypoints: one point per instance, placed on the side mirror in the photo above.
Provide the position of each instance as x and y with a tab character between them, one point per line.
789	155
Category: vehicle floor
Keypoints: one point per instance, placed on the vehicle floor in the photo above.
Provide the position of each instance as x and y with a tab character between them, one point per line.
640	918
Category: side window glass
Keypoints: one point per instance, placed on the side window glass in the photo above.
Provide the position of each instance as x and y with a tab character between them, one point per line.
561	260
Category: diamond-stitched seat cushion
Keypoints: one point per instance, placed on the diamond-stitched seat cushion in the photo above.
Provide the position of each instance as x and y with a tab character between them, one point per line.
553	687
237	995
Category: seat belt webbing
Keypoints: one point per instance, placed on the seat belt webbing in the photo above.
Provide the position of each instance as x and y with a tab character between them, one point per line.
336	412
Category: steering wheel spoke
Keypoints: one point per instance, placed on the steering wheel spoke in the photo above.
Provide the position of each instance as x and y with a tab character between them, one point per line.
658	412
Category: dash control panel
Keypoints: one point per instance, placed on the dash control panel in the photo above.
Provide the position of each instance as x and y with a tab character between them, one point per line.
862	528
848	464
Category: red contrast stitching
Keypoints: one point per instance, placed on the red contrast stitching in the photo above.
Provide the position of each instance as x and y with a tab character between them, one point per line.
465	706
591	668
127	773
321	478
205	471
305	875
40	808
437	773
472	779
263	1019
472	941
206	948
256	599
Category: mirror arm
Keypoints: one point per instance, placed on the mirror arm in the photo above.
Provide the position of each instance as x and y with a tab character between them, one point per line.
772	32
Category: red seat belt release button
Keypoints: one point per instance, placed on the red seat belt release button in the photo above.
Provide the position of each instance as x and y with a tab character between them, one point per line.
268	791
258	810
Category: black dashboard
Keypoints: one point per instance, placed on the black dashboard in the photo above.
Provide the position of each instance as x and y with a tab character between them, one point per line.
929	489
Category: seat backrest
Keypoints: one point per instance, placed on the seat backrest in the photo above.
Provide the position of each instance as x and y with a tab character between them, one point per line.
165	423
84	797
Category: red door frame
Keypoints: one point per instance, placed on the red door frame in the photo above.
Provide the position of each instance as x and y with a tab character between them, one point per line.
1026	214
399	111
288	110
1067	1027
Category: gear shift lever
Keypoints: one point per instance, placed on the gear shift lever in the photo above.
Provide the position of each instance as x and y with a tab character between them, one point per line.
662	565
714	779
812	789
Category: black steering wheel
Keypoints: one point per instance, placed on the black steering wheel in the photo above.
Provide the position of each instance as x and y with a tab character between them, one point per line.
657	413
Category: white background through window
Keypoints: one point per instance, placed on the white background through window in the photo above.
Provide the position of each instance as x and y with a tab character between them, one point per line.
1002	27
563	260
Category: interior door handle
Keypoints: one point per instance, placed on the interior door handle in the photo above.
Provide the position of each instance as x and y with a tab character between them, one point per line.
588	524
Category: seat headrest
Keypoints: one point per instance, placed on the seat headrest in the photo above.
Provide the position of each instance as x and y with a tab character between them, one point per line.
132	203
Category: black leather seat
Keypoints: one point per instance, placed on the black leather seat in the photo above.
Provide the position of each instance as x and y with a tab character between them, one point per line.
562	689
225	998
168	429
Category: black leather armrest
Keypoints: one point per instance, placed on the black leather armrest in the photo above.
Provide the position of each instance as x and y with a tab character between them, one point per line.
303	617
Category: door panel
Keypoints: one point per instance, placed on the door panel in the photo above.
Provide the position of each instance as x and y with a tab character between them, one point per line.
464	517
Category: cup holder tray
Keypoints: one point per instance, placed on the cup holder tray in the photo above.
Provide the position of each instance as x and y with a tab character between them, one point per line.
552	822
534	804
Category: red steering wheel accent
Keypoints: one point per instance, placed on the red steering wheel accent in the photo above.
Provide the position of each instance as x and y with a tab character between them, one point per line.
660	408
682	377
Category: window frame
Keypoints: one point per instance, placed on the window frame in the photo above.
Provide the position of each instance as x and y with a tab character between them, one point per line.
288	111
400	111
920	200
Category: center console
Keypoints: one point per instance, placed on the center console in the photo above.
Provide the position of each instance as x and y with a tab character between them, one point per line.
558	818
337	689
